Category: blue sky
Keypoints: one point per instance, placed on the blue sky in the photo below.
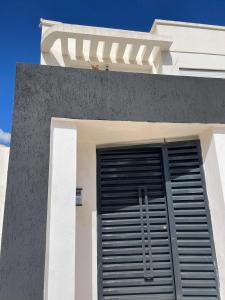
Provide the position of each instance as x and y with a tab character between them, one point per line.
20	33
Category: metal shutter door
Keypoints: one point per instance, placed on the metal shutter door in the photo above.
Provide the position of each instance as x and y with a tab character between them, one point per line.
192	242
125	267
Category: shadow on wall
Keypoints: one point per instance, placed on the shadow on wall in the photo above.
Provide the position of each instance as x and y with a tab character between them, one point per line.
86	252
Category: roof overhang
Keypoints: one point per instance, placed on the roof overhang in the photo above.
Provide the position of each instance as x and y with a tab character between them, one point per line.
95	46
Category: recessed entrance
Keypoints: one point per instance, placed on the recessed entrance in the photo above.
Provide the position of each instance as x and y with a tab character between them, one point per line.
154	228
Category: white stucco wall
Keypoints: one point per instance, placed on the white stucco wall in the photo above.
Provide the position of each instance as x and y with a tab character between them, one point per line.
197	49
193	64
213	149
61	218
86	234
192	37
4	158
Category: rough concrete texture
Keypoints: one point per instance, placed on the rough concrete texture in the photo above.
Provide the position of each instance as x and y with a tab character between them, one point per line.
43	92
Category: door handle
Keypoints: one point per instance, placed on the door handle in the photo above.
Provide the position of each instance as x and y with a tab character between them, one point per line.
146	253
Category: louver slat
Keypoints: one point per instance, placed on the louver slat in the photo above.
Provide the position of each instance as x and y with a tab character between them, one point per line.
126	240
194	263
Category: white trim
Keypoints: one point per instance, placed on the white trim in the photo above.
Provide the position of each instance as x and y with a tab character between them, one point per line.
184	24
61	219
94	255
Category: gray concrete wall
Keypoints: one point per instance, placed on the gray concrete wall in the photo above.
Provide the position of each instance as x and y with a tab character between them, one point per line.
43	92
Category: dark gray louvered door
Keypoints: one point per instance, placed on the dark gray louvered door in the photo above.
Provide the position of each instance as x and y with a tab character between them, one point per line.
134	247
192	244
155	239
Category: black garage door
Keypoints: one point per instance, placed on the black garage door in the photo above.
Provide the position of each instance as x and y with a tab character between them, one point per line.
155	239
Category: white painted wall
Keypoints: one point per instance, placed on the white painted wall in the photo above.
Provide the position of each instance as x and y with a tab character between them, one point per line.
4	158
193	64
61	220
213	149
86	234
197	50
192	37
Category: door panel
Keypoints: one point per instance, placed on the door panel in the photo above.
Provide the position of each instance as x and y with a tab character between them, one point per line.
135	260
194	257
154	226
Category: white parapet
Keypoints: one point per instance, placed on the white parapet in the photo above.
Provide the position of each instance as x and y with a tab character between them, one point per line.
197	49
4	159
100	48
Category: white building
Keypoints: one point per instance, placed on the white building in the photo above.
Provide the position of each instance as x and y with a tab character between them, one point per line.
4	158
147	151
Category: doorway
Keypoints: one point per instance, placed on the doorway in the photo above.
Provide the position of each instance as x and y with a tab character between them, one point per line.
154	229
